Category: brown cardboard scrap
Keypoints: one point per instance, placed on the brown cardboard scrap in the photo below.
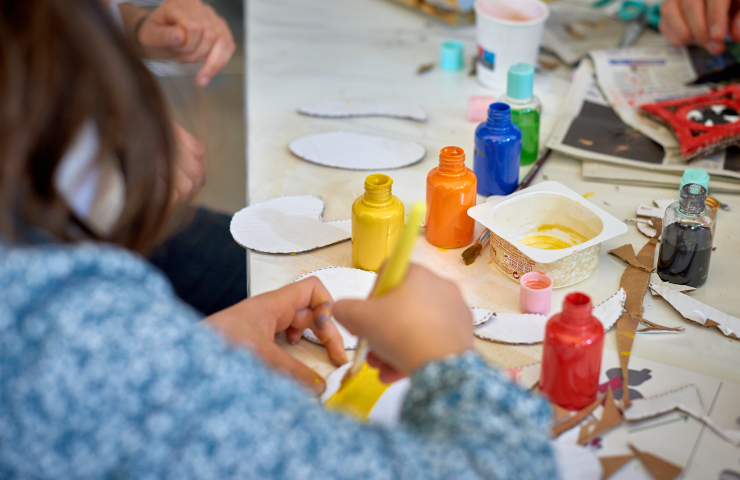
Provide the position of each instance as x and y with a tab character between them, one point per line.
609	419
577	417
635	282
559	413
627	254
659	468
611	465
657	327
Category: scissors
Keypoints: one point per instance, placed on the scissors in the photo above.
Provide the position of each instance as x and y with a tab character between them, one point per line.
638	15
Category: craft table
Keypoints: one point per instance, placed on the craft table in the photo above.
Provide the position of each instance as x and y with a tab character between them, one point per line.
299	53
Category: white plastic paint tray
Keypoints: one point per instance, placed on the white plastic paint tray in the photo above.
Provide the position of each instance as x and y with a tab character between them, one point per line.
513	217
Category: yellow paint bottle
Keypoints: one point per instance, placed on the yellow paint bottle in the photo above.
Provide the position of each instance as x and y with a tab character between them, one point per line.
377	221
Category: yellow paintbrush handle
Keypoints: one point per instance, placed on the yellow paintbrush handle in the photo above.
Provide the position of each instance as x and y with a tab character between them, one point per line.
394	270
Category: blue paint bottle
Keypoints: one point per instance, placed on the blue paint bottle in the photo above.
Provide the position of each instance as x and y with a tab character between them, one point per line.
498	145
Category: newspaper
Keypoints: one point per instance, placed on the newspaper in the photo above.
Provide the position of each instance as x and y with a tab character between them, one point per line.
588	128
574	29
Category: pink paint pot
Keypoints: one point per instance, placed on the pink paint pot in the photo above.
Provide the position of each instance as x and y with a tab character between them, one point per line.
535	293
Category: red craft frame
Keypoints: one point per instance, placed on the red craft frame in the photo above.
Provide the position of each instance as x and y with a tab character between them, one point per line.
695	138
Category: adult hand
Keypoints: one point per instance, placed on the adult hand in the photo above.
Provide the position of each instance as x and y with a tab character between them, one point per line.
188	31
293	308
190	165
701	22
423	319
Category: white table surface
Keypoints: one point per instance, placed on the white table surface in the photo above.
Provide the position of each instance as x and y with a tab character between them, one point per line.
304	52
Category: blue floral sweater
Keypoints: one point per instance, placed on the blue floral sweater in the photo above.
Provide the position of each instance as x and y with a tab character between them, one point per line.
105	374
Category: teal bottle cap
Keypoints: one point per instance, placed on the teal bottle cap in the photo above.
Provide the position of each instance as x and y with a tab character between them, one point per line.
451	56
520	81
695	175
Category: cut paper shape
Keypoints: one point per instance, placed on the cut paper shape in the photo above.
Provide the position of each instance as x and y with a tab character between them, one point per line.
685	399
576	418
657	211
514	328
287	225
576	463
612	465
696	311
358	108
610	418
627	254
656	280
357	151
529	328
635	282
342	283
659	468
481	315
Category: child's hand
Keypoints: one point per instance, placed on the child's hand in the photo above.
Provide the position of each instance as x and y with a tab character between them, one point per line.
423	319
293	308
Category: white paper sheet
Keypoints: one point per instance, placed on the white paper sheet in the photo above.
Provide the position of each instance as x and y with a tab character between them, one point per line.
342	283
358	108
287	225
357	151
528	328
697	311
685	399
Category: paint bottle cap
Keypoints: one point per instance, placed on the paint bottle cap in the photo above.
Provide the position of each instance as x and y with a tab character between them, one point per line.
535	293
520	81
451	56
478	108
695	175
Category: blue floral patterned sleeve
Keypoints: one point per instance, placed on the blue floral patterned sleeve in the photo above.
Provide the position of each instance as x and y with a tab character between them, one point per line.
105	374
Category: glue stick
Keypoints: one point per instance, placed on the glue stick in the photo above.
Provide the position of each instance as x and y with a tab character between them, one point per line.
377	222
571	354
450	193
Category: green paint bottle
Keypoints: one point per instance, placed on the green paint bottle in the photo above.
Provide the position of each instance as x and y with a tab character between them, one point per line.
525	109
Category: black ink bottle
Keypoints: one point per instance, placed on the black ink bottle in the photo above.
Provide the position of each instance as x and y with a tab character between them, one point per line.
686	241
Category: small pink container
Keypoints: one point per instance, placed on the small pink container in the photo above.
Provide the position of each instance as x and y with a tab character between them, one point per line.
535	293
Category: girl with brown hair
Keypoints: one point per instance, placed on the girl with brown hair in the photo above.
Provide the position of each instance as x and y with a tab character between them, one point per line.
105	373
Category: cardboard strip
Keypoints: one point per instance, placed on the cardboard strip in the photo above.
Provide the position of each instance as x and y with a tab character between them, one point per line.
357	151
627	254
696	311
286	225
658	211
685	399
635	282
609	419
576	418
358	108
659	468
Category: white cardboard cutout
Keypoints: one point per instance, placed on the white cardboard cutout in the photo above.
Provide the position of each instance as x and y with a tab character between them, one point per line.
528	328
342	283
287	225
685	399
657	211
357	151
697	311
358	108
480	315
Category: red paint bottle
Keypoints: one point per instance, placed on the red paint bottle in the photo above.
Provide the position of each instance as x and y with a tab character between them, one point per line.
571	354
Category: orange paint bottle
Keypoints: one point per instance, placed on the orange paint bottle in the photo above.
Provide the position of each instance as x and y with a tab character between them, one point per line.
451	189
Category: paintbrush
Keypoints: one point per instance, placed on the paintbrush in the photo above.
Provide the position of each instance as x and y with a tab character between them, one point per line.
392	274
472	252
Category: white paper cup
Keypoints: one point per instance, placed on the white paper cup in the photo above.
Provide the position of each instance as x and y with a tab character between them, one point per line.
508	32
